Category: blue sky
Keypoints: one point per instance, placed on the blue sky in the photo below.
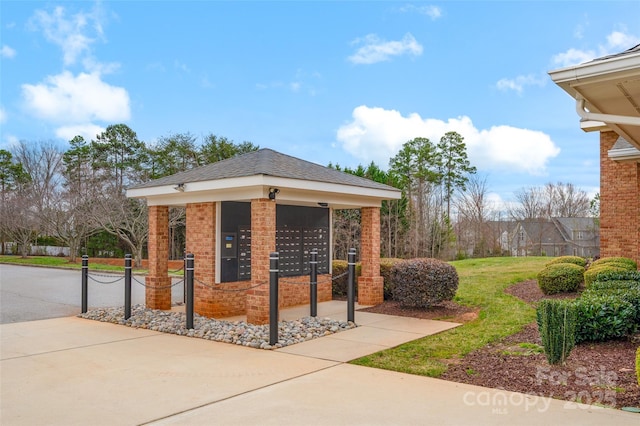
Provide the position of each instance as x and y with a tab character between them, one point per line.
340	82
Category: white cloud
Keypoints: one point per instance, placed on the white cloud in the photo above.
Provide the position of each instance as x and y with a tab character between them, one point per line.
374	49
616	42
433	12
573	57
376	134
87	131
3	115
73	102
68	99
7	52
73	34
518	84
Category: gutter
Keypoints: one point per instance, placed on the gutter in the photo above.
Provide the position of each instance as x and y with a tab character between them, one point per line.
607	118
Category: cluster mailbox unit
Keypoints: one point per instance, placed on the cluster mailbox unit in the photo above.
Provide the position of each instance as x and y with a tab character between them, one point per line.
299	230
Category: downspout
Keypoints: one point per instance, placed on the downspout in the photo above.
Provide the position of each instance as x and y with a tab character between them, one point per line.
606	118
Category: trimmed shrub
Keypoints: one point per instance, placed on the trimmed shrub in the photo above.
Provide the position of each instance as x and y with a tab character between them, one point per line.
576	260
557	326
631	264
424	282
560	278
386	266
339	285
630	294
633	276
603	316
592	274
614	285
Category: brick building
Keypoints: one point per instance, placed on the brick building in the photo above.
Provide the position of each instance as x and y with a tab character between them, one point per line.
240	210
607	94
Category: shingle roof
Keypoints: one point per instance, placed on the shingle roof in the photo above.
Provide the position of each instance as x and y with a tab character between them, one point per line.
578	223
634	49
265	162
543	231
621	143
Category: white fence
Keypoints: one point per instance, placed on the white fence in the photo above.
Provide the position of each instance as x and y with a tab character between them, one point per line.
12	248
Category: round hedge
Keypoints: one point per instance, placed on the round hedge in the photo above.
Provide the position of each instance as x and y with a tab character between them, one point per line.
591	274
630	264
423	282
386	267
560	278
576	260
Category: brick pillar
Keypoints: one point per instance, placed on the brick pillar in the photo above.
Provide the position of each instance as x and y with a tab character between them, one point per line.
619	203
370	283
201	241
158	298
263	242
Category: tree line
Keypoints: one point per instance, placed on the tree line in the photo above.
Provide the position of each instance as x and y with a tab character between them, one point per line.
77	196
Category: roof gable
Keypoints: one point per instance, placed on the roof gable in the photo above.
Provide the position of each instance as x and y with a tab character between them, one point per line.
265	162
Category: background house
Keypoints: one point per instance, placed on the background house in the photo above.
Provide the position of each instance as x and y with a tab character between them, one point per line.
577	236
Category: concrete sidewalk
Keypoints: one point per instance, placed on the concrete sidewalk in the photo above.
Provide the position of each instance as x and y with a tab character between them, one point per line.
70	371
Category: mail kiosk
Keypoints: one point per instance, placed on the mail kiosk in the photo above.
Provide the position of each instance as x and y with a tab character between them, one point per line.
299	230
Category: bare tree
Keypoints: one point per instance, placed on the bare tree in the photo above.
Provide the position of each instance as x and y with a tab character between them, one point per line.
530	204
42	161
473	213
567	201
552	200
126	218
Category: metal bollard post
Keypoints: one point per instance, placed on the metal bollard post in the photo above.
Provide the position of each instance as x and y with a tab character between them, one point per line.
313	283
273	297
184	274
188	276
85	278
127	286
351	286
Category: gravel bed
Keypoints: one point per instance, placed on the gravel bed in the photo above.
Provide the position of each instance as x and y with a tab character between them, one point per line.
236	332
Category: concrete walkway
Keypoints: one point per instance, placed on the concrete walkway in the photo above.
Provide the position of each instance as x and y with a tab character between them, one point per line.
70	371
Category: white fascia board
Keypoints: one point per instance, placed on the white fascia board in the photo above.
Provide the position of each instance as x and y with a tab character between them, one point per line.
332	188
253	187
593	72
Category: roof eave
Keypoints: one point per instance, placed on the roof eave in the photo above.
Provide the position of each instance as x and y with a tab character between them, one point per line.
292	191
595	71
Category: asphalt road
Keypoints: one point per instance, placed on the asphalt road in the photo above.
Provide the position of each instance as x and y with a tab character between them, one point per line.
32	293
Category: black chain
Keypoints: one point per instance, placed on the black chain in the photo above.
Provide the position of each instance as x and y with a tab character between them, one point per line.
154	287
177	270
105	282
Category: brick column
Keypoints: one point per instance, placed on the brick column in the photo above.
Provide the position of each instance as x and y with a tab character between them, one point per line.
158	292
201	241
370	283
263	242
619	203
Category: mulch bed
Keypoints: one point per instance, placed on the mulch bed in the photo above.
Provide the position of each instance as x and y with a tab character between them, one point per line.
600	373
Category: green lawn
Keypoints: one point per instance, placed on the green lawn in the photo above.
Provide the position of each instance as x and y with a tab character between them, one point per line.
58	262
482	284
